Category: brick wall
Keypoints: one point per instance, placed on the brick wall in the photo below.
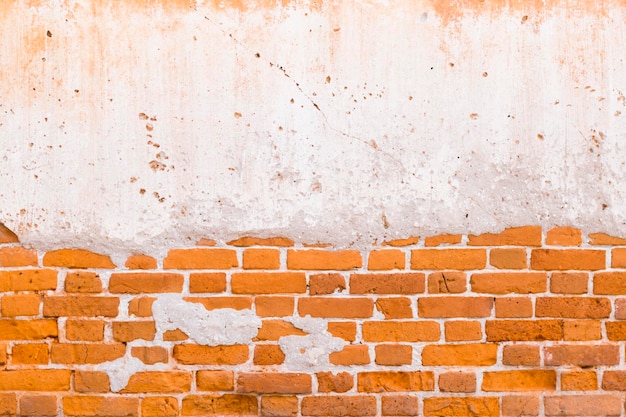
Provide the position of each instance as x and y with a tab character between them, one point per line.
516	323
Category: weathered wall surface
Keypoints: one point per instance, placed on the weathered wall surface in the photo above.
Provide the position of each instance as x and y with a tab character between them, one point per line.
128	125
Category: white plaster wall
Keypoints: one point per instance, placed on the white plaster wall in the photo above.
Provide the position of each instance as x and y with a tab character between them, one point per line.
357	120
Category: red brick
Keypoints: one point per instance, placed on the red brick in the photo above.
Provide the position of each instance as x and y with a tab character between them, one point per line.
247	241
474	354
200	258
386	259
28	280
213	303
268	282
444	239
582	381
583	405
38	405
8	404
66	353
215	380
268	355
127	331
271	383
77	258
609	283
261	259
275	329
531	380
140	262
458	331
318	259
150	354
458	259
220	405
159	407
573	307
454	307
514	236
576	259
564	236
402	242
457	382
388	381
400	405
520	355
461	406
569	282
159	381
329	382
395	308
509	282
269	306
145	282
279	406
17	256
613	380
514	307
343	330
80	306
210	355
207	282
514	258
447	282
351	355
30	354
579	330
410	283
108	406
581	355
20	305
520	405
27	329
523	330
401	331
604	239
83	282
322	284
91	381
336	307
35	380
339	406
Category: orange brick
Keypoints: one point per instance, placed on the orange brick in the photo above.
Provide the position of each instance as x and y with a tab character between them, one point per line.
28	280
174	335
215	381
351	355
388	381
83	282
336	307
511	282
455	307
207	282
531	380
140	262
458	331
611	380
573	307
615	331
579	330
275	329
268	306
402	242
35	380
520	405
38	405
461	406
318	259
257	241
77	258
274	383
80	306
7	235
8	404
447	282
401	331
159	407
474	354
141	306
395	308
30	354
145	282
268	282
220	405
564	236
206	242
127	331
329	382
581	355
91	381
20	305
386	259
279	406
27	329
84	330
101	406
514	236
459	259
520	355
394	355
457	382
213	303
444	239
582	381
514	258
400	405
150	354
523	330
609	283
345	330
210	355
321	284
512	307
268	355
583	405
201	258
564	259
568	282
604	239
17	256
261	259
411	283
339	406
79	354
158	381
3	354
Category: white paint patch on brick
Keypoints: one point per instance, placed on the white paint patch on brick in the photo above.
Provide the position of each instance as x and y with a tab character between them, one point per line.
310	352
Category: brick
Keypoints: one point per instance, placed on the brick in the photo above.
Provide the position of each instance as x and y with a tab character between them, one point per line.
389	381
401	331
344	330
220	405
395	308
141	306
581	381
339	406
206	242
443	239
140	262
336	307
91	381
268	355
509	282
207	282
20	305
247	241
579	330
461	406
447	282
514	307
83	282
457	382
458	259
27	329
386	259
105	406
400	405
322	284
30	354
273	383
269	306
573	307
84	330
66	353
174	335
158	382
35	380
520	405
474	354
329	382
581	355
521	355
201	258
564	236
583	405
8	404
268	282
261	259
213	303
77	258
402	242
145	282
12	256
159	407
351	355
530	380
615	331
279	406
604	239
444	307
609	283
80	306
28	280
127	331
459	331
215	380
565	259
7	235
150	355
3	354
514	258
38	405
188	354
275	329
514	236
523	330
319	259
569	282
613	380
399	283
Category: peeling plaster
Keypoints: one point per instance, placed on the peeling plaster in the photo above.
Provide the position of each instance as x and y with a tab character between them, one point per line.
309	353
